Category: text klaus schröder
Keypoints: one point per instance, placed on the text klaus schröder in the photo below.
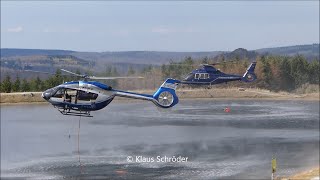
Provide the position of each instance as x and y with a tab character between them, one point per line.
157	159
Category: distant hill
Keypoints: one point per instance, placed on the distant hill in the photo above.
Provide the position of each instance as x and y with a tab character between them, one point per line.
142	57
237	54
161	57
49	60
309	51
38	62
7	52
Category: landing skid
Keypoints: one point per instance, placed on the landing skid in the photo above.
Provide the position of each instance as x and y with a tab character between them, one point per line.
75	113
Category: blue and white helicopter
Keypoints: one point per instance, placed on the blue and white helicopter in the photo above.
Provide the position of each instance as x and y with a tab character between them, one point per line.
79	98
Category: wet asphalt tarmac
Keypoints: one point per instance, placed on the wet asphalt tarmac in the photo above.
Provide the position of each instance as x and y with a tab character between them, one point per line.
37	142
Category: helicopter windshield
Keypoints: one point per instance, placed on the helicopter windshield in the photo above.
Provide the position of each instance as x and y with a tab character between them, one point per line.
59	93
189	76
72	95
50	92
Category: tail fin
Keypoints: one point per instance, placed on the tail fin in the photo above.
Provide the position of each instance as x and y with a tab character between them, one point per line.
165	96
249	75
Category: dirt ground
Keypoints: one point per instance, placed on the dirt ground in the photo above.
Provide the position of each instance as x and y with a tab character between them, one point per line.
312	174
226	93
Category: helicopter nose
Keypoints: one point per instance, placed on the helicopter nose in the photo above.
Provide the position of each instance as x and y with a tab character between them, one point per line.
46	95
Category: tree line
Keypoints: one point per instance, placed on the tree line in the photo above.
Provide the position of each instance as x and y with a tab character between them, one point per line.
36	84
273	72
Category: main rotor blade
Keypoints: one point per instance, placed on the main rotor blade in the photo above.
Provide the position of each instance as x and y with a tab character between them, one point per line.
39	72
110	78
181	65
75	74
225	62
88	77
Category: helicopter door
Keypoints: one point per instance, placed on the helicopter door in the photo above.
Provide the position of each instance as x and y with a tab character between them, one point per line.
70	95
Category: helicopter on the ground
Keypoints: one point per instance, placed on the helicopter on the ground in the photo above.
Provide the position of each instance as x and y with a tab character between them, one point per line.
79	98
209	75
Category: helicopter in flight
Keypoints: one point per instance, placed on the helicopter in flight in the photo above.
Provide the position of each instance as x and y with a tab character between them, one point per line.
207	74
79	98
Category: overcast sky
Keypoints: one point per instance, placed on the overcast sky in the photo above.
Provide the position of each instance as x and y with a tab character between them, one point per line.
158	25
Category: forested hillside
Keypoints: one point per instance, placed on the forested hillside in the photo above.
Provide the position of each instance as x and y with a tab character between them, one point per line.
276	73
283	68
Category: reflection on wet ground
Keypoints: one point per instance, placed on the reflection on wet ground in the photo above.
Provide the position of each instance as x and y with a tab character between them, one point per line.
35	140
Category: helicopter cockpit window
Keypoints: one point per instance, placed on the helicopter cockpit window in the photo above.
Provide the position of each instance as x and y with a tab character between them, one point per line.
86	96
189	76
59	93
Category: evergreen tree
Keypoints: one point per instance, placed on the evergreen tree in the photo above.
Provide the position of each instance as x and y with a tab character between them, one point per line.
314	72
49	83
32	85
57	78
16	85
299	70
6	84
25	86
38	84
286	80
186	67
266	72
188	60
205	60
1	87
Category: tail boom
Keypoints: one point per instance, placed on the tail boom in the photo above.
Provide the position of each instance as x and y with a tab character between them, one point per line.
164	97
